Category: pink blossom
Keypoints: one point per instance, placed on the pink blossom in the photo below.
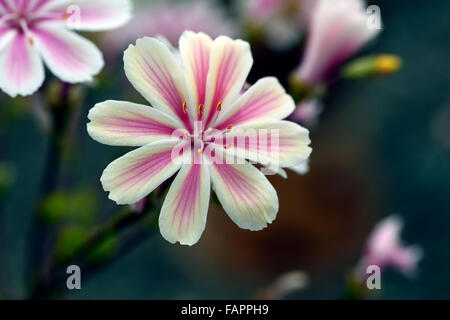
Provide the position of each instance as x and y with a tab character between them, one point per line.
34	32
307	112
385	249
337	30
197	109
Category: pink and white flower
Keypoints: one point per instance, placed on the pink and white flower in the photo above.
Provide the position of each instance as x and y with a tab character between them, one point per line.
34	32
337	29
385	249
194	98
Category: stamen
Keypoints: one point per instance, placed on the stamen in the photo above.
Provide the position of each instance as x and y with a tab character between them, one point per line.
219	106
184	107
201	107
26	31
228	147
229	128
186	135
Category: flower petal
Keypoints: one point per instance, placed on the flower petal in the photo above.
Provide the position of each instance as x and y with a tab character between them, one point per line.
195	50
22	71
229	66
274	143
153	70
5	7
265	99
121	123
183	214
95	15
245	194
136	174
69	56
302	168
7	34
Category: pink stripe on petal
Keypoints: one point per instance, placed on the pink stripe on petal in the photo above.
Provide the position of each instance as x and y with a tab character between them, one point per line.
269	142
183	215
128	124
195	50
69	56
22	69
155	73
245	194
230	63
265	99
139	172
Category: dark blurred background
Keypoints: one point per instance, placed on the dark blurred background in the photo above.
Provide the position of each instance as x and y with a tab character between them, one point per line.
382	146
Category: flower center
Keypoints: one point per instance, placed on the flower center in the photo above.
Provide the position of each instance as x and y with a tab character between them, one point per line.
19	20
201	137
22	19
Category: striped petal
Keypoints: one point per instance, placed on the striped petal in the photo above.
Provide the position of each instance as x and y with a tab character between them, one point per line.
265	99
274	143
195	50
136	174
183	214
22	71
69	56
229	66
120	123
154	71
245	194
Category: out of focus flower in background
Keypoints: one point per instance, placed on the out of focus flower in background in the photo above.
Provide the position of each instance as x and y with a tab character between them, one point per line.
307	112
385	249
337	30
169	19
206	104
284	285
279	22
35	31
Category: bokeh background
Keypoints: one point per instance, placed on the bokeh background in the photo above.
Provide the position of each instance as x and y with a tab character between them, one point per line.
382	146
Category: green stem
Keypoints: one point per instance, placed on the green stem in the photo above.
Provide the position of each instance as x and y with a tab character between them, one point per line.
143	225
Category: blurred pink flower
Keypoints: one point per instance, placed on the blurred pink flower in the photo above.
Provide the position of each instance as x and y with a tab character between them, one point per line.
33	31
139	206
337	30
385	249
281	21
169	20
307	112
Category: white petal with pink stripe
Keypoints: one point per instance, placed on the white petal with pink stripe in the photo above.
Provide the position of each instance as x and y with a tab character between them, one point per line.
136	174
245	193
183	214
121	123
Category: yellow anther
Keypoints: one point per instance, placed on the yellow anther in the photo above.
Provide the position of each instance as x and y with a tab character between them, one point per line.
184	107
228	147
230	127
200	150
219	106
200	109
186	135
66	16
